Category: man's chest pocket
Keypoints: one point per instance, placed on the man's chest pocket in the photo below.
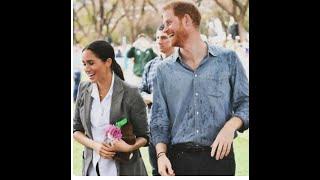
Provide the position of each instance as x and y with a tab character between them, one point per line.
217	84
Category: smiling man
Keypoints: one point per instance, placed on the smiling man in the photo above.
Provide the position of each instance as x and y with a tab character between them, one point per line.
201	100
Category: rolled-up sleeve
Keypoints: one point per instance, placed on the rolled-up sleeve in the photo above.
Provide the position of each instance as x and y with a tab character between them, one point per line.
77	125
240	92
159	124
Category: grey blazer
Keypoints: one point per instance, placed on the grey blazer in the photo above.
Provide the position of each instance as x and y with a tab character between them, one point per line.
126	102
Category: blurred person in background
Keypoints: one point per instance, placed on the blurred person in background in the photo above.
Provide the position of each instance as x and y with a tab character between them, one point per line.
229	43
146	86
77	66
118	54
141	52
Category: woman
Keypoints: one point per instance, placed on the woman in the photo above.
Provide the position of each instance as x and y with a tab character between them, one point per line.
102	101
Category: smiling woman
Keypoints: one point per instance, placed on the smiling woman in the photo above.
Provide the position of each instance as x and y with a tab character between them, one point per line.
104	100
97	58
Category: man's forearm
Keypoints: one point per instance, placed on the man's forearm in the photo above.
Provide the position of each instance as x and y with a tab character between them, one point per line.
161	147
234	123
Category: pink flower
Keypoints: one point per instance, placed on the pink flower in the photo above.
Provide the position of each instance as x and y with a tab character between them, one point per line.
113	132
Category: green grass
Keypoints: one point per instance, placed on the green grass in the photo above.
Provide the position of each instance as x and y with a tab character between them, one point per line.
77	158
241	149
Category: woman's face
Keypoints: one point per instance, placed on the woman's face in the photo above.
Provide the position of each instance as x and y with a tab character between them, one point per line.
95	68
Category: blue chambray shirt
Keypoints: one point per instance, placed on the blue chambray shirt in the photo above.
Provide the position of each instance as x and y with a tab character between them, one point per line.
149	74
193	106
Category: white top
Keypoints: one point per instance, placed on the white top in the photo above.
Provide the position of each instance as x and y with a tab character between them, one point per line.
100	118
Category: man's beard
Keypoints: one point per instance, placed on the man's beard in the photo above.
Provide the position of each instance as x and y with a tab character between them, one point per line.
179	38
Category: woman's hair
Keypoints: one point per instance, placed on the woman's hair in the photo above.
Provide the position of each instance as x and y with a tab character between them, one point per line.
103	50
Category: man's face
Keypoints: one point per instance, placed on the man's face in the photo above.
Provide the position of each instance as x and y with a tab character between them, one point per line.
174	28
163	42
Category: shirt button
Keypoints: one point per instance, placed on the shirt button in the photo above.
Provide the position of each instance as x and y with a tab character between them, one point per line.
196	94
195	75
197	131
197	112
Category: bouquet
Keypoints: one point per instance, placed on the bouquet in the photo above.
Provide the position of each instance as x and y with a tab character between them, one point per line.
113	133
123	129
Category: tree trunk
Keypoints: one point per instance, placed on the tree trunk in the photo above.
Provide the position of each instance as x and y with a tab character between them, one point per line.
133	36
75	39
231	8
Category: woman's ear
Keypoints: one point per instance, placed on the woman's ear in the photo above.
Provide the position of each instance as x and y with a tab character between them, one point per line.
109	62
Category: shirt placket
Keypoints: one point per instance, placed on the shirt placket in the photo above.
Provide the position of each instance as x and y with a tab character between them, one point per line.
196	102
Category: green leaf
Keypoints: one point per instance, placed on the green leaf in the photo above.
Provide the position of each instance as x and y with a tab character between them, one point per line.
121	122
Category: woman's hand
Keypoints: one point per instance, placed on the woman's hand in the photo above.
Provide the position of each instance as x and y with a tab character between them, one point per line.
104	150
121	146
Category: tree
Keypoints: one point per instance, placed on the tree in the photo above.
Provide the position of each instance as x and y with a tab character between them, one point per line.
95	18
135	11
237	9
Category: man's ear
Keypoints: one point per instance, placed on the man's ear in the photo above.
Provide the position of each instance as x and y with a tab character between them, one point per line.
187	20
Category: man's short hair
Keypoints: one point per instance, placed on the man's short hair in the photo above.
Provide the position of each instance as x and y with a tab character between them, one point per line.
180	8
161	27
141	35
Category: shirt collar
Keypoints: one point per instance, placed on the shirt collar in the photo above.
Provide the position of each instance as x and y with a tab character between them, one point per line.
168	57
211	51
95	91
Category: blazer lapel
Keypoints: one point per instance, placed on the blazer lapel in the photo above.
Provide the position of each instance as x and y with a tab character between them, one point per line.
87	108
116	101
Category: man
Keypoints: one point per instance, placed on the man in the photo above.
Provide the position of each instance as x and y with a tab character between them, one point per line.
77	66
200	100
146	87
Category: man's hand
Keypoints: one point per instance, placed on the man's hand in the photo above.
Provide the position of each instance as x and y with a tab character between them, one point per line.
164	166
222	143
